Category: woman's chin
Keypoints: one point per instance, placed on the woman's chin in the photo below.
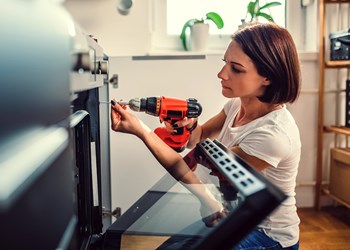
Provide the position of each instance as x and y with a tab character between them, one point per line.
226	93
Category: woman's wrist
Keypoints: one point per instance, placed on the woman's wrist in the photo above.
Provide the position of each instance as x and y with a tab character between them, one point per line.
193	127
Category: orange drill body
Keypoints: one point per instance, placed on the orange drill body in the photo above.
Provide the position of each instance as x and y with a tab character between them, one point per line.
170	110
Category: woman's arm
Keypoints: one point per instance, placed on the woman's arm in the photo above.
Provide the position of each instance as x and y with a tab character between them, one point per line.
123	121
209	129
252	160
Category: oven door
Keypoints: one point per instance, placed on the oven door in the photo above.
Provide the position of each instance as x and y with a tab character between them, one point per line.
86	181
90	129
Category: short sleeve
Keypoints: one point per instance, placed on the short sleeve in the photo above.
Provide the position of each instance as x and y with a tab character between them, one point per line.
268	143
231	105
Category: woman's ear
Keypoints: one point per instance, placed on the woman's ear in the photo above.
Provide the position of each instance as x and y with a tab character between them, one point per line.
266	82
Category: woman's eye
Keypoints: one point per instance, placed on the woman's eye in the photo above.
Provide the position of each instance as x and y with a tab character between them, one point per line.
235	70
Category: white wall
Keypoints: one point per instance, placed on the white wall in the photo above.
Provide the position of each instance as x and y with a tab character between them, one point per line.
117	34
305	114
134	169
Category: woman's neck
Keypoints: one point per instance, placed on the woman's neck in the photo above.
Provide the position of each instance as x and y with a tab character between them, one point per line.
253	109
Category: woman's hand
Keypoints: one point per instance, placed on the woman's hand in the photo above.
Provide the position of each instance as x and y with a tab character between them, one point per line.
212	212
189	123
125	122
211	209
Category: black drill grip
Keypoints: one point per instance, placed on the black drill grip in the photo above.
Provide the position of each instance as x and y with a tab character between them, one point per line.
194	108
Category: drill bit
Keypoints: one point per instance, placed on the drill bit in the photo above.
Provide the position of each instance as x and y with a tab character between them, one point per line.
119	102
134	103
123	102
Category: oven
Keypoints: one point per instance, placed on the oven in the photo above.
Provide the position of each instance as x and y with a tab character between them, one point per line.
89	128
89	137
54	130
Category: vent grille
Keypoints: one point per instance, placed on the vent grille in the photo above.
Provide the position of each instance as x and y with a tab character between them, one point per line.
242	178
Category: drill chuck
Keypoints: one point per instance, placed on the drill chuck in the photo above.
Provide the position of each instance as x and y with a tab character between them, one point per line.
150	105
135	104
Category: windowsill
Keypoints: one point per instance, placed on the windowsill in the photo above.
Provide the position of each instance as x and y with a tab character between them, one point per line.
182	52
303	55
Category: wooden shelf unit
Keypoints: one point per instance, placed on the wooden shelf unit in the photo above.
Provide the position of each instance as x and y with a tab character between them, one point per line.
336	1
337	64
321	127
337	129
327	192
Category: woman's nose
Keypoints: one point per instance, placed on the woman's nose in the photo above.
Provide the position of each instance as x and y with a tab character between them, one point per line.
222	74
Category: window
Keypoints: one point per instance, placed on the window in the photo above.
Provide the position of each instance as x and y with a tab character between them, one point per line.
165	34
231	11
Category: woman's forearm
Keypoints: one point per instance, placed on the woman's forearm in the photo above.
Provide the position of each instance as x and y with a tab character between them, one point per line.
178	168
195	137
165	155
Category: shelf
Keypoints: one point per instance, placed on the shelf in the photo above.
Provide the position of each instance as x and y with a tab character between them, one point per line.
337	64
327	192
338	129
336	1
321	128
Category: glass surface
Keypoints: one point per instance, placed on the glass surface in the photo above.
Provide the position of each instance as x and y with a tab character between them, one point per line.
211	199
187	210
178	210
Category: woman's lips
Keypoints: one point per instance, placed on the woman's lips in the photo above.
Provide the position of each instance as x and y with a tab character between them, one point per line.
224	87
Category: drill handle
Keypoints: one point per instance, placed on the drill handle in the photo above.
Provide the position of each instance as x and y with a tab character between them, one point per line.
179	130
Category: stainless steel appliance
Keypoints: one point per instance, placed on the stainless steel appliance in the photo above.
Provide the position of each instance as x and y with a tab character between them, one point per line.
89	125
54	132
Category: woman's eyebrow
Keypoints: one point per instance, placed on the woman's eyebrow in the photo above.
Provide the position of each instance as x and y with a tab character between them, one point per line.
237	63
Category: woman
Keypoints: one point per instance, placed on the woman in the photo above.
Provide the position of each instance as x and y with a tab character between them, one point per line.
261	73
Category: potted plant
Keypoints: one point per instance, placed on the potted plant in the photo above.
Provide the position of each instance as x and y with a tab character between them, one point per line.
255	10
199	29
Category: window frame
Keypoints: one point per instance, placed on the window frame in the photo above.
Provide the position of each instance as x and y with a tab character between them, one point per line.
163	41
297	16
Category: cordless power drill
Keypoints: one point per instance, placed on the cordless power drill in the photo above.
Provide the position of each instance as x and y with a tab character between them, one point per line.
170	110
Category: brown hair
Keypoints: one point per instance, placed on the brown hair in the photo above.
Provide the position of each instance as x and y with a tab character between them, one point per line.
274	54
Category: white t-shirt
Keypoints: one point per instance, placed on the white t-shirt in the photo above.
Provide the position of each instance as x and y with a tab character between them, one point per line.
273	138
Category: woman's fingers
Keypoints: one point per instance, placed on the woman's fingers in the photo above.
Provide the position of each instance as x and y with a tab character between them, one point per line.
186	122
117	113
169	127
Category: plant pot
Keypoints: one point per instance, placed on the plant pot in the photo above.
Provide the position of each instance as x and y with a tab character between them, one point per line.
199	37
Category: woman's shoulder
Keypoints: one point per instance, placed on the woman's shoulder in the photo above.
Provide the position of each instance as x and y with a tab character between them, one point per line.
278	124
283	118
232	104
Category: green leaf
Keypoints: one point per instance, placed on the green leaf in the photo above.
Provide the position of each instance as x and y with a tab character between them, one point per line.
183	36
254	11
216	18
269	5
266	16
251	9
